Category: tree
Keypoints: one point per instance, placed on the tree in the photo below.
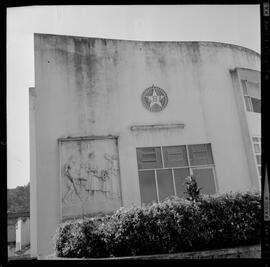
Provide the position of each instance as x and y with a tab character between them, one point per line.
18	199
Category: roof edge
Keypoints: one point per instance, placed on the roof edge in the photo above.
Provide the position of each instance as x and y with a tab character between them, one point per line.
221	44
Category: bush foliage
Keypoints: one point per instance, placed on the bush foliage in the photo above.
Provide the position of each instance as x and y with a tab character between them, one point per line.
192	189
174	225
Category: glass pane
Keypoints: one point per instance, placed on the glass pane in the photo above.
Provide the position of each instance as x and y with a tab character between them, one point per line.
244	87
255	139
179	178
256	104
259	159
247	103
165	183
257	148
254	90
259	169
149	157
175	156
205	179
200	154
147	186
149	154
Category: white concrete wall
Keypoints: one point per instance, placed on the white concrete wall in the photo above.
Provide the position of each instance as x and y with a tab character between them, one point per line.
18	234
33	179
22	233
25	232
88	86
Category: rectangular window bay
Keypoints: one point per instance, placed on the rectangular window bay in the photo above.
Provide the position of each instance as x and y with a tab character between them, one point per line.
163	170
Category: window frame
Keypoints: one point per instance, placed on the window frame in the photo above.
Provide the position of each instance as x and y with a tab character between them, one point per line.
247	97
189	167
259	143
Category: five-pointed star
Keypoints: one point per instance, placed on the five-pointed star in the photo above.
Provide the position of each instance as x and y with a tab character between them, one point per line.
155	99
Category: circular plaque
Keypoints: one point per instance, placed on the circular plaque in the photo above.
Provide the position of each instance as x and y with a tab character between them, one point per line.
154	98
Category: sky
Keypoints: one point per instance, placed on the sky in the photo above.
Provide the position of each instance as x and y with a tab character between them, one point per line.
235	24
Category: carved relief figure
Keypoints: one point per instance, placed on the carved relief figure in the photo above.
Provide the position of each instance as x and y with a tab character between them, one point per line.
90	179
86	177
93	181
113	172
70	184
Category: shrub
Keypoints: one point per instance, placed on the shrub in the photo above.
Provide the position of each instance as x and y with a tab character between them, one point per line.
81	238
193	191
174	225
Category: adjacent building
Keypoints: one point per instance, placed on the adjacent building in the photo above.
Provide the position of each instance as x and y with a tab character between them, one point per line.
115	123
18	232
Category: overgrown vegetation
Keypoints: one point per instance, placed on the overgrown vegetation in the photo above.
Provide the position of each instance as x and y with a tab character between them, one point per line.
174	225
18	199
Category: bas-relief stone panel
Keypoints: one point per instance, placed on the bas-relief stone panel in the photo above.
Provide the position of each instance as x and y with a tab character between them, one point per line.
90	180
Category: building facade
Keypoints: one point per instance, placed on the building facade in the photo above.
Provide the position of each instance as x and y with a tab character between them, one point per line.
18	231
115	123
22	233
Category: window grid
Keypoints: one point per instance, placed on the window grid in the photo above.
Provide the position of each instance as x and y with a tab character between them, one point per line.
188	160
256	141
162	157
189	167
174	186
247	97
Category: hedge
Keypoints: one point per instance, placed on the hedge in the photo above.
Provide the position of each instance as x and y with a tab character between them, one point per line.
174	225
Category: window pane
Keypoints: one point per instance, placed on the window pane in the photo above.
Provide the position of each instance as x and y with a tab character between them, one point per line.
258	158
244	86
255	139
165	183
259	169
149	157
147	186
257	148
175	156
205	179
254	90
256	104
200	154
149	154
179	177
247	103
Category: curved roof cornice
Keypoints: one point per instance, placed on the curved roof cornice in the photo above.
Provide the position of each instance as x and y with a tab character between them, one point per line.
212	43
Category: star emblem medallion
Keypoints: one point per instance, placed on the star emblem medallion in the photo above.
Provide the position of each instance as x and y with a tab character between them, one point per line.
154	98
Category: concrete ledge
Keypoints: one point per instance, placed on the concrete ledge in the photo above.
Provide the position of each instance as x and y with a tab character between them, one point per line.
227	253
157	126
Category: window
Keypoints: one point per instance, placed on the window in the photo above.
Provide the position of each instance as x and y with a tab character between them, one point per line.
162	170
252	96
200	154
175	156
149	158
257	151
